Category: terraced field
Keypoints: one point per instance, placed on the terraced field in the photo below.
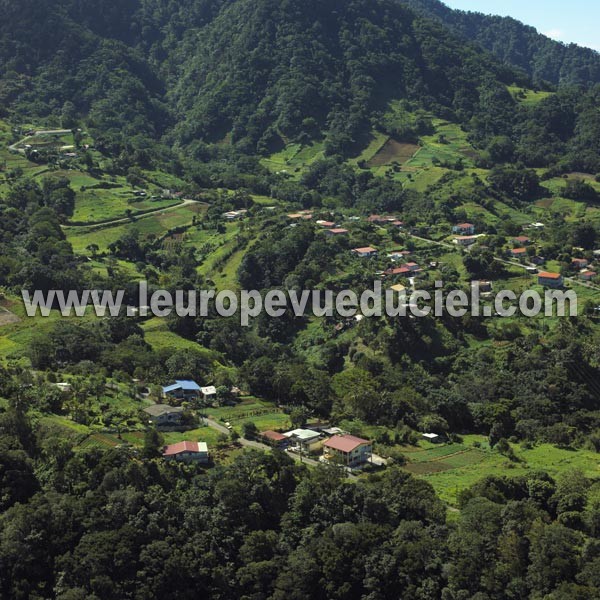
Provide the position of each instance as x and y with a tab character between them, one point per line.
157	224
454	467
393	152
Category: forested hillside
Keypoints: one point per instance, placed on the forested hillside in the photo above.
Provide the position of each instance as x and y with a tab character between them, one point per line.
519	45
286	146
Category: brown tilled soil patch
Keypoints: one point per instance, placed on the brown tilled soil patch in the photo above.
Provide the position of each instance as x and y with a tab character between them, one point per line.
6	317
393	151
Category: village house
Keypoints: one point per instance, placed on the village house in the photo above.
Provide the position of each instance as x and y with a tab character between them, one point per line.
398	254
412	267
300	215
336	231
366	252
327	224
551	280
380	220
232	215
518	252
587	275
579	263
465	240
304	440
209	393
403	271
64	387
485	287
348	450
521	240
187	452
182	389
163	414
434	438
399	289
464	229
274	438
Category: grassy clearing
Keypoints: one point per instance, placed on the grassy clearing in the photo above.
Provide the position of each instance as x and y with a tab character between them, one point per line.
465	464
448	144
157	334
294	158
156	224
201	434
16	336
376	143
98	205
263	414
527	97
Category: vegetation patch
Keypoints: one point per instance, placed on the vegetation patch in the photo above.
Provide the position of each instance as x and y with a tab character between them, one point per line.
393	151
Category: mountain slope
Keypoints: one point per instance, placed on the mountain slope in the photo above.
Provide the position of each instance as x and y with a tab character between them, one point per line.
518	45
267	69
263	73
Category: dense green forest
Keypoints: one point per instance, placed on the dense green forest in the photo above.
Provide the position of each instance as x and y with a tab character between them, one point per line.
219	145
543	59
261	74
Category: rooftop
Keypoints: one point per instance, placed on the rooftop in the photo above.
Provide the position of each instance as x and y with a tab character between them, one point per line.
156	410
364	250
345	443
302	434
182	384
273	435
185	447
546	275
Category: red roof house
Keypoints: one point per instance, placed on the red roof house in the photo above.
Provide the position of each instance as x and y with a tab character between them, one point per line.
187	451
398	271
580	263
553	280
366	252
349	450
273	438
519	252
521	240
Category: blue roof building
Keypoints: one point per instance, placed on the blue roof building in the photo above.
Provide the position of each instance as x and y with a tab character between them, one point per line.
182	388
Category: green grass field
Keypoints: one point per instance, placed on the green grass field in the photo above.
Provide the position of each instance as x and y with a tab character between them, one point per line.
527	97
156	224
263	414
201	434
376	143
294	158
157	334
454	467
99	205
